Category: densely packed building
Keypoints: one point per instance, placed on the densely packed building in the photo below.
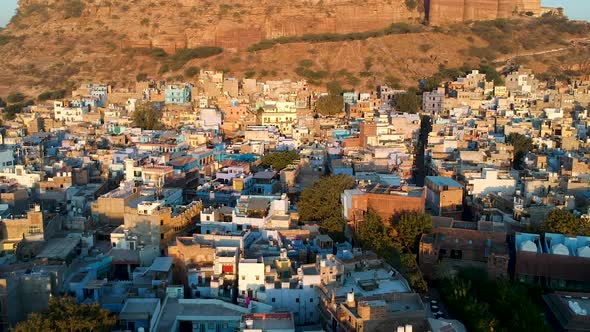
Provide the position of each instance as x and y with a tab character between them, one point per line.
183	226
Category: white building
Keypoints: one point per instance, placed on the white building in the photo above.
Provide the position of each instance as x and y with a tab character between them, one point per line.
69	115
250	277
491	181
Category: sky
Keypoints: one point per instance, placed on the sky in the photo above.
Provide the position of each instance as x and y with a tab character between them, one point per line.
7	8
574	9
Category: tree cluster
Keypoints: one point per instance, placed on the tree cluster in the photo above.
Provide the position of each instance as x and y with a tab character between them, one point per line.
15	102
490	305
64	314
279	160
52	95
147	117
320	203
564	222
330	105
73	8
399	237
408	102
522	145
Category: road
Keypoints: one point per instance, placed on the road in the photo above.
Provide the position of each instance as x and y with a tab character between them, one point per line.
572	44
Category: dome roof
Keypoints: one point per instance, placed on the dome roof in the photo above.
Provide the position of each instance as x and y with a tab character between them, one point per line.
560	249
584	251
529	246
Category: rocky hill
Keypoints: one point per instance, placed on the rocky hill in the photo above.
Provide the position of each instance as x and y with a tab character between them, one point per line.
60	43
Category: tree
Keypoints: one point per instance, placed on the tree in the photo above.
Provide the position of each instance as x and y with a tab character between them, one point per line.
334	88
73	8
10	111
15	97
141	77
321	202
392	82
147	117
564	222
64	314
410	227
279	160
407	102
47	95
192	71
431	83
330	105
522	145
371	234
491	74
488	305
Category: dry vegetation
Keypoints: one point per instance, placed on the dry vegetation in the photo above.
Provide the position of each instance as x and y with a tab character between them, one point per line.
48	47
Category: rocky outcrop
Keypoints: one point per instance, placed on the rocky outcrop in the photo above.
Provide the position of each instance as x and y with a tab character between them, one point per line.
450	11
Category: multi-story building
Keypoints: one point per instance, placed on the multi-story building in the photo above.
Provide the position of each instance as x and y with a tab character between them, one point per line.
454	245
178	94
553	260
444	196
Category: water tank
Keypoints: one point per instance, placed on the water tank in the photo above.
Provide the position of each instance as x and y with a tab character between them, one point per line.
529	246
584	251
350	297
560	249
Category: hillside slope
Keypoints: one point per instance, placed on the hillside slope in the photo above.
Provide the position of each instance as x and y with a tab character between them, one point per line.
52	43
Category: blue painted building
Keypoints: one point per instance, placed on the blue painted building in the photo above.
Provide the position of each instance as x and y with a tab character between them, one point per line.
178	94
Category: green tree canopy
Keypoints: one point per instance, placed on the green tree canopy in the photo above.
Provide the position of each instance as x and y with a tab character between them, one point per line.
10	111
73	8
489	305
334	88
408	102
64	314
564	222
191	71
147	117
48	95
330	105
15	97
321	202
141	77
410	226
279	160
522	145
372	235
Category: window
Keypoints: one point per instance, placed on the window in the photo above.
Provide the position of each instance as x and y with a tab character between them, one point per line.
161	236
310	300
257	277
243	277
273	300
297	300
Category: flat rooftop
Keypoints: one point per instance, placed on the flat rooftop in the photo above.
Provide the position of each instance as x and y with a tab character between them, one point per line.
444	181
59	248
270	321
139	308
372	282
197	309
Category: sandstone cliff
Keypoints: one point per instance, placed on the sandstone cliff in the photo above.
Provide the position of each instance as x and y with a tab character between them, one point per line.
176	24
450	11
48	47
